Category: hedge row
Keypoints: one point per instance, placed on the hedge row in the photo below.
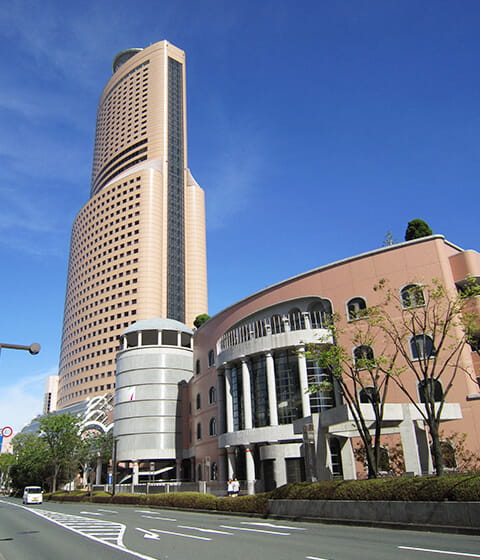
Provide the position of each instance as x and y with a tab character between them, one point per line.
187	500
458	488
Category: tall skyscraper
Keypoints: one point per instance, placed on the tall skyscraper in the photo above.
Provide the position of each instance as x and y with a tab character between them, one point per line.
138	247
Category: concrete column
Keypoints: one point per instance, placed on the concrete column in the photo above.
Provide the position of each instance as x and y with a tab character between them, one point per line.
231	462
250	463
409	442
98	472
221	403
228	399
348	460
271	388
135	473
302	374
247	395
139	338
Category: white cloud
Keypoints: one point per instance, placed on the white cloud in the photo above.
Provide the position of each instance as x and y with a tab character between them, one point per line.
22	401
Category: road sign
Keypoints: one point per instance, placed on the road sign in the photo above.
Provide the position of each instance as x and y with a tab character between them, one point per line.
7	431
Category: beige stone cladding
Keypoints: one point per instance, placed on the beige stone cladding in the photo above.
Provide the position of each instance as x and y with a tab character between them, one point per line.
417	261
118	267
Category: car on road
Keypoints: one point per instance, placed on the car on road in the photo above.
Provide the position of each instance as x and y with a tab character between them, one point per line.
32	495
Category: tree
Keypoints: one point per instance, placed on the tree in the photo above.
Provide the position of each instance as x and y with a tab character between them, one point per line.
200	319
7	460
416	229
32	466
60	432
363	379
427	329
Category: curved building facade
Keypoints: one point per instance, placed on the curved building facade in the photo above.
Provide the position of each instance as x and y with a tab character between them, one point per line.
153	363
138	245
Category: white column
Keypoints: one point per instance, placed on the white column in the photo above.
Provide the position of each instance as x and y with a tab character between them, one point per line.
228	399
271	388
231	462
409	442
135	473
221	403
98	472
250	464
247	395
302	374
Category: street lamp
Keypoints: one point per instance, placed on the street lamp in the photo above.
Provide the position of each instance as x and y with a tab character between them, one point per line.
33	348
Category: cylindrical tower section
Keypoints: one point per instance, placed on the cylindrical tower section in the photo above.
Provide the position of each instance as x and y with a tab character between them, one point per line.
154	360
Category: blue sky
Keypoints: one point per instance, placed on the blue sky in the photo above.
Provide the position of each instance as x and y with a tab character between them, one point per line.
315	127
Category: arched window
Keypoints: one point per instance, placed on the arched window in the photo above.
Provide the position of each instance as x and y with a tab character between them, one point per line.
421	347
363	357
320	314
199	401
356	308
212	427
412	296
197	367
296	319
211	358
212	395
369	395
199	431
428	389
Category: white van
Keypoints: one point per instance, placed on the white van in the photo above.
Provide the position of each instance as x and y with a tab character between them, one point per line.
32	495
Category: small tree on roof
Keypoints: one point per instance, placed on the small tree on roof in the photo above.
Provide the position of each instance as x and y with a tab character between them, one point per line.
417	228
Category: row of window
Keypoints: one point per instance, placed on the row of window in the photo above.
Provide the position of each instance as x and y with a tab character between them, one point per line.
421	348
410	296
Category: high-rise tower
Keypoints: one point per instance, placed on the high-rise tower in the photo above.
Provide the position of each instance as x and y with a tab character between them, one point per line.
138	247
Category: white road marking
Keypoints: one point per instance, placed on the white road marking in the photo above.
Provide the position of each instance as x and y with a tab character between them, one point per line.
204	530
90	513
451	553
148	534
315	558
159	518
254	530
273	526
49	516
181	535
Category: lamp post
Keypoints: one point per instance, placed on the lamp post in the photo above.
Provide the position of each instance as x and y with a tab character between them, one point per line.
33	348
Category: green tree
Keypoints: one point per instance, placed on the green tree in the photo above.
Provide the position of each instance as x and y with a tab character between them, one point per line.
32	465
7	460
417	228
60	432
427	329
200	319
362	378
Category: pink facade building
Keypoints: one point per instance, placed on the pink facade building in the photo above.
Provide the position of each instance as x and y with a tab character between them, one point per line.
251	415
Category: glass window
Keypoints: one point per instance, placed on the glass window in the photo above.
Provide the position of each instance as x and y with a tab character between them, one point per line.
296	319
356	308
199	401
211	358
197	367
259	391
169	338
276	324
289	399
212	428
430	390
212	395
421	347
321	314
412	296
322	399
149	338
199	431
363	357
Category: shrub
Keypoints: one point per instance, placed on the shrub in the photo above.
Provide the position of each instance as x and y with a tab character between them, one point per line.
245	504
190	500
139	499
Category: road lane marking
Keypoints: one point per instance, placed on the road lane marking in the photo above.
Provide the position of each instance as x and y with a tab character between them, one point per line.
314	558
90	513
181	535
273	525
451	553
255	530
148	534
158	518
204	530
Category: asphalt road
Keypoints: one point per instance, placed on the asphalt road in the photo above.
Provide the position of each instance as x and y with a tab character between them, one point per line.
72	531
